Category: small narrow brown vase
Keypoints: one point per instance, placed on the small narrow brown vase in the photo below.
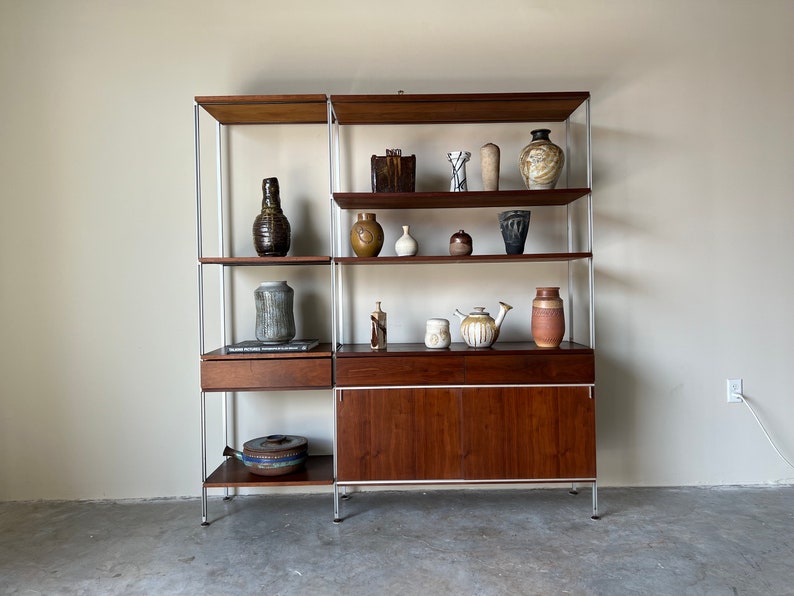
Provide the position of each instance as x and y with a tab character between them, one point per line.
548	318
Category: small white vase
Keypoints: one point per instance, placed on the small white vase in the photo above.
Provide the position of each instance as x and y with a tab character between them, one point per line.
406	245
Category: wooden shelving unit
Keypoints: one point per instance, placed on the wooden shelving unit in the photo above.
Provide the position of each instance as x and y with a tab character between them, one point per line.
409	414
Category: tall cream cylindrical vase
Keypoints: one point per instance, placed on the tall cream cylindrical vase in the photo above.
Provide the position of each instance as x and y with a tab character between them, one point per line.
489	164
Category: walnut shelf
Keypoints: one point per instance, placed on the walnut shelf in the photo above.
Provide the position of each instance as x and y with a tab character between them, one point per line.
457	200
233	473
472	108
469	259
265	261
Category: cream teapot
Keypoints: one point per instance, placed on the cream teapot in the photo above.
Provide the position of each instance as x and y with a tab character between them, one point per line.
478	328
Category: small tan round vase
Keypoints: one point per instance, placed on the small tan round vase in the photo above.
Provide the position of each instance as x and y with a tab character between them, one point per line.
548	318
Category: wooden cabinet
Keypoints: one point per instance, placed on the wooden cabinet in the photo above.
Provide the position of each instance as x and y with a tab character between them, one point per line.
410	434
540	433
483	434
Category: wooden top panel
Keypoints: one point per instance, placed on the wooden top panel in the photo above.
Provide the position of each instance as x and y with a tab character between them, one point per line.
456	108
266	109
393	109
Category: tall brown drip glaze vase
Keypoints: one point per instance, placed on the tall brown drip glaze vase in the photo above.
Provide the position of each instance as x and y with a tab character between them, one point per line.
271	228
548	318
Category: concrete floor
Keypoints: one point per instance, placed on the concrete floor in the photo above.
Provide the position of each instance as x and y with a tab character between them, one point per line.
539	541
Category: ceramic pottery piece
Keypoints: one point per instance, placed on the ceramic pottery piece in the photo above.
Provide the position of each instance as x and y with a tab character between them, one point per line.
478	328
393	172
489	163
273	455
548	318
275	320
460	244
378	328
458	160
271	229
437	333
514	226
366	236
406	245
541	161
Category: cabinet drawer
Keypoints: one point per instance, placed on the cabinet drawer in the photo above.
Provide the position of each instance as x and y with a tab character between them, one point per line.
251	375
551	368
378	371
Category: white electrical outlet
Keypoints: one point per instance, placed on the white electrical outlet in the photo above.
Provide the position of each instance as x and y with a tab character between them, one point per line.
734	391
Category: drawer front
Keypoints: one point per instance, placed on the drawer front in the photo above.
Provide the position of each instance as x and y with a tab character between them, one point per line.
253	375
549	369
379	371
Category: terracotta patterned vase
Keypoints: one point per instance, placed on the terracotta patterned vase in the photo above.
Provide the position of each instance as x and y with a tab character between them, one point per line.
366	236
271	228
541	161
548	318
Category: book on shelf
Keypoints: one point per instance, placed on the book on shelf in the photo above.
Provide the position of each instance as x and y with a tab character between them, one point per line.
253	346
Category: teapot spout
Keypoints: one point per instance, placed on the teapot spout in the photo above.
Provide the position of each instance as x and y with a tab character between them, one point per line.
459	314
503	308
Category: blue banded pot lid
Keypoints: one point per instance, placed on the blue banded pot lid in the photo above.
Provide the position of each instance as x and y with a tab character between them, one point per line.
275	444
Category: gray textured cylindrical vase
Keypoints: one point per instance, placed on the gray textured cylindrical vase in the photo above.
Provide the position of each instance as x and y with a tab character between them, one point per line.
275	320
489	163
458	160
514	225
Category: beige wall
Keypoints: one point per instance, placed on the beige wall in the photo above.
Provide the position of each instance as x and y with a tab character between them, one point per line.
693	140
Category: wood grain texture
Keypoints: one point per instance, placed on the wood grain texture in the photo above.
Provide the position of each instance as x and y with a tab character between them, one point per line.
265	374
528	432
379	370
398	434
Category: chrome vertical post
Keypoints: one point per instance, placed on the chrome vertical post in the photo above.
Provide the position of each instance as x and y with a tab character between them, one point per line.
590	221
595	501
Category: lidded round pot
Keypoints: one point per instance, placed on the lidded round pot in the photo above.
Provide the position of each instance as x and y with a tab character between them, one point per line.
273	455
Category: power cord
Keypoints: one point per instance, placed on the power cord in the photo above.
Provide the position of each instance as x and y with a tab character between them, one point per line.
758	420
